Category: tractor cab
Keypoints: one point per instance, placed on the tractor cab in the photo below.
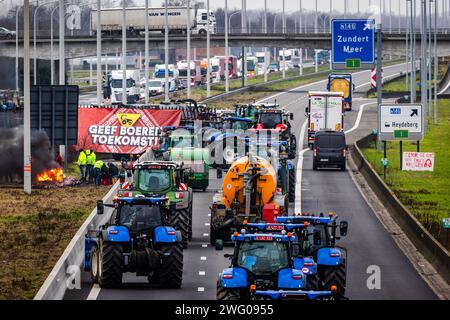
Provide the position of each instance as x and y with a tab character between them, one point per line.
138	238
260	261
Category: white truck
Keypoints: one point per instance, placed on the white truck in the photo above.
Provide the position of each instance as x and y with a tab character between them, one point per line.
291	56
132	85
111	20
215	69
324	112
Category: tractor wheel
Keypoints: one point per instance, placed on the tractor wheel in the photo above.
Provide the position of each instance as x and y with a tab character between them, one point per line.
335	276
171	272
226	294
181	222
94	264
292	181
212	235
190	222
110	265
312	282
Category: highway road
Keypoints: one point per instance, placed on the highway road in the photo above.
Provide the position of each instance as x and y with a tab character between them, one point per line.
368	242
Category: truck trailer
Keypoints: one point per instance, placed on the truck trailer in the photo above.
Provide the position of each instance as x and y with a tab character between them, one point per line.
111	20
324	112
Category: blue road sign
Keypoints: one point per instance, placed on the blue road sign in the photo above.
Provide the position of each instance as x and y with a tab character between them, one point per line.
353	40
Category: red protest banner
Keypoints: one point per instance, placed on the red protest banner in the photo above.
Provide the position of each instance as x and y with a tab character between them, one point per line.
122	130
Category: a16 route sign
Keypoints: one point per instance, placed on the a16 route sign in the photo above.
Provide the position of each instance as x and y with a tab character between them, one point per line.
401	122
353	43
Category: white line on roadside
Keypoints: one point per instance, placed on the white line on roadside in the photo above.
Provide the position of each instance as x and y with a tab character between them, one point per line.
203	258
358	119
207	224
298	187
204	246
200	289
93	294
202	273
205	234
445	89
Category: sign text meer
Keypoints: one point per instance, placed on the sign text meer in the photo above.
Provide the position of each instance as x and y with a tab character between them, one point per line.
353	39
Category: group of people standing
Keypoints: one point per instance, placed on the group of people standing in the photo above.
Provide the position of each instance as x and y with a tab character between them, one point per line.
96	171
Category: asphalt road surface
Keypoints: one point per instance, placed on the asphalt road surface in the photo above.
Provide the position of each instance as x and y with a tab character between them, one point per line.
368	243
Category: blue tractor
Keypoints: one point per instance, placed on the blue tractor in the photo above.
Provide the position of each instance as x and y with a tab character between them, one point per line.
263	262
317	241
138	238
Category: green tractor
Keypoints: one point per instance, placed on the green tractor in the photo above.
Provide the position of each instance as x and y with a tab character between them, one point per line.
164	178
183	147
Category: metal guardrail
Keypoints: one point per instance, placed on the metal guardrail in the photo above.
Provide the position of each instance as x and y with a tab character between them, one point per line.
55	285
428	246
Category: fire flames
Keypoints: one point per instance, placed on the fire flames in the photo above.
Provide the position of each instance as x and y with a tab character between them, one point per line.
53	175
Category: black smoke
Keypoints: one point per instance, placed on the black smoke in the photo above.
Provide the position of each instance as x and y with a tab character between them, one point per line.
11	154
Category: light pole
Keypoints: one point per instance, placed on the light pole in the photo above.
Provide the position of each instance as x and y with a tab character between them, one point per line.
227	54
99	54
188	34
62	58
284	32
35	71
316	21
26	95
166	52
52	62
430	61
229	20
244	27
124	53
423	66
300	17
436	63
208	54
147	58
17	48
265	48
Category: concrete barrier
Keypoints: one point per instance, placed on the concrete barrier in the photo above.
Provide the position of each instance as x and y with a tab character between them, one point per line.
427	245
55	285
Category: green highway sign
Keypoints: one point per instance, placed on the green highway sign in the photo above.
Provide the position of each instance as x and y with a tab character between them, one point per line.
446	223
353	63
401	134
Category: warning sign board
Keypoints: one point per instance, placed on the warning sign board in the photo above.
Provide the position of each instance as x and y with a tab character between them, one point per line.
418	161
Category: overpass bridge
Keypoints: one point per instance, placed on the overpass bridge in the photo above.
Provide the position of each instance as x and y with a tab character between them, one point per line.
85	46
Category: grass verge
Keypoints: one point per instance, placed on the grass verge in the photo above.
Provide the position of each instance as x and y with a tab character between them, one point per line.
426	194
35	230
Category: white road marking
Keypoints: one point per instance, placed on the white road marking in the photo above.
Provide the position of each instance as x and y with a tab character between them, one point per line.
358	119
93	294
204	246
205	234
200	289
445	89
209	214
202	273
207	224
203	258
298	187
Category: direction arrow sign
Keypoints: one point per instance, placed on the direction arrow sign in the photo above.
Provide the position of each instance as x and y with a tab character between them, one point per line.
401	122
353	43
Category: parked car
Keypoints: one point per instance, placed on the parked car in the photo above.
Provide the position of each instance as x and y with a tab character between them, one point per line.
7	34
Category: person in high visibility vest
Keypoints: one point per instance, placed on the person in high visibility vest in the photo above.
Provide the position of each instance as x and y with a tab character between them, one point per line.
91	158
98	172
81	162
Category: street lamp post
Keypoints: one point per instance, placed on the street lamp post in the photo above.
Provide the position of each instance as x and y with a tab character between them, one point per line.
244	27
284	32
265	48
35	71
124	53
227	54
188	34
166	52
62	58
52	58
436	63
229	21
208	54
99	54
147	58
26	94
17	48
